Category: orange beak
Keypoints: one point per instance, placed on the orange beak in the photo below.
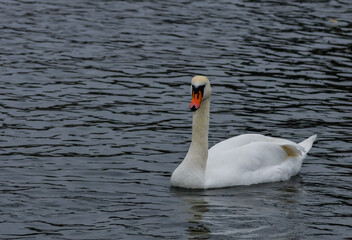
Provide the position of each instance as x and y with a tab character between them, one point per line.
196	100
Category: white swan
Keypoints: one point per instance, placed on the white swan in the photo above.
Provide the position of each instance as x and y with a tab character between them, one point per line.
242	160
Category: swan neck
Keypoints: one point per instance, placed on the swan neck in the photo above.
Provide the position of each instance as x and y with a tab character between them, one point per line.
200	126
200	129
191	172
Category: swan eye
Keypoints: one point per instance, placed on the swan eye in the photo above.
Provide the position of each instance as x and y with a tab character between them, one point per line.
197	89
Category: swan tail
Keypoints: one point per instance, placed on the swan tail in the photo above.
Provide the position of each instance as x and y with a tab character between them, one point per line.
307	144
293	150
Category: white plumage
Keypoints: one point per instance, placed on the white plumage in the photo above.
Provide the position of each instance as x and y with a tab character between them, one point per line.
241	160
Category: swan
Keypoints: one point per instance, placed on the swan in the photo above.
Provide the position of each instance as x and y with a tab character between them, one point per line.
242	160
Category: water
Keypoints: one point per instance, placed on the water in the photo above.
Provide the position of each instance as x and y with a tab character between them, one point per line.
94	102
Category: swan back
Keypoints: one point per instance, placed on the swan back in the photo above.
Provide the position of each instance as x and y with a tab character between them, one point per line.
252	159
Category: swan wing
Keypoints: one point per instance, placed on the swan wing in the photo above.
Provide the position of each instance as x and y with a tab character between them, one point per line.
252	158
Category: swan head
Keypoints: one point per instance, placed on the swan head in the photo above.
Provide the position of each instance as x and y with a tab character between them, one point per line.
200	90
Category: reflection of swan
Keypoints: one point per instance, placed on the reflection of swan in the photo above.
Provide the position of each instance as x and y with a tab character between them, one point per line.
196	227
264	211
242	160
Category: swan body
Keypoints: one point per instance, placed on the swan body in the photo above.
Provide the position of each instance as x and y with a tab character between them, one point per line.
241	160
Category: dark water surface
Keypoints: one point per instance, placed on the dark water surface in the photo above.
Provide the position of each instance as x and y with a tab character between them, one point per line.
94	116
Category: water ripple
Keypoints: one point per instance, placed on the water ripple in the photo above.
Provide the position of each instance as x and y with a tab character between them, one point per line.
94	116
